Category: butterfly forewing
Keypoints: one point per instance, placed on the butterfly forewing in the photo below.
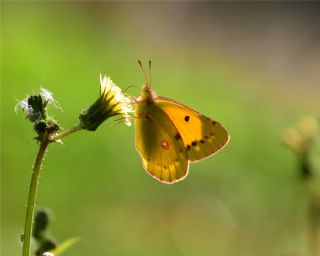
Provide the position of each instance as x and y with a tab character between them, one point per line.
201	135
163	156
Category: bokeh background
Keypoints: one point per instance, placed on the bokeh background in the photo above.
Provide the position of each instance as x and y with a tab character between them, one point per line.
254	67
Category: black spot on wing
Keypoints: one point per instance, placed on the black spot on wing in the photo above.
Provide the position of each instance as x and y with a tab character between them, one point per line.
187	118
194	143
177	136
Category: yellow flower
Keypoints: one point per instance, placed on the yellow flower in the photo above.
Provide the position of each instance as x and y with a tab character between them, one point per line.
300	137
111	102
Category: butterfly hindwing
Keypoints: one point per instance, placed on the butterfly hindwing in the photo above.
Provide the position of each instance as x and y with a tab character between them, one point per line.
201	135
164	156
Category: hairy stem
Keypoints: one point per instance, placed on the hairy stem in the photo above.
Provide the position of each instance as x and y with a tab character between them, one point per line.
31	198
66	132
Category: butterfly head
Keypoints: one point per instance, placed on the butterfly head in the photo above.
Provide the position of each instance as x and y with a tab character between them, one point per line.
147	94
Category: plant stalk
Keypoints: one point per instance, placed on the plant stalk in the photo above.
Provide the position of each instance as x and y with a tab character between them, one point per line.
313	224
31	197
66	133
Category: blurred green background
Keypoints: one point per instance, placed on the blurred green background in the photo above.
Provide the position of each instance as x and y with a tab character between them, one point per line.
254	67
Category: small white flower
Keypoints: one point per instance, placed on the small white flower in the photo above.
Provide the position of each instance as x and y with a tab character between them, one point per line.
111	102
47	254
47	97
25	107
119	103
105	83
35	105
127	121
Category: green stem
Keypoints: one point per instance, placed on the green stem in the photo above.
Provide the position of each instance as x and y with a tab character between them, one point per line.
66	132
313	222
31	198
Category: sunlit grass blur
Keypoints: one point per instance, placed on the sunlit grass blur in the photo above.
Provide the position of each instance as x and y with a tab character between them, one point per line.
253	67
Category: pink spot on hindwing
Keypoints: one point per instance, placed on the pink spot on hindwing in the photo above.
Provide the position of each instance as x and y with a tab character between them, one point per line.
165	144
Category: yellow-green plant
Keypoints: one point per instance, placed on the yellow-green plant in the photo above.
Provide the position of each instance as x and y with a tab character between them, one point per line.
303	139
111	102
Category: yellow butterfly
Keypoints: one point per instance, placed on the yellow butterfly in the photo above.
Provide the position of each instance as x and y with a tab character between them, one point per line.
169	135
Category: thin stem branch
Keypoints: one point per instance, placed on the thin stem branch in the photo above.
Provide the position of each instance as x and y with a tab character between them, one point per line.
31	198
66	132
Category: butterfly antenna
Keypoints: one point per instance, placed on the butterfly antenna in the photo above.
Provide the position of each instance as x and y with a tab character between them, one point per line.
144	73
